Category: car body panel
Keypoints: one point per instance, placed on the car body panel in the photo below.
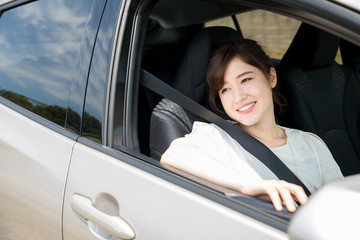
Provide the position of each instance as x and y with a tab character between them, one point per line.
32	179
349	3
319	219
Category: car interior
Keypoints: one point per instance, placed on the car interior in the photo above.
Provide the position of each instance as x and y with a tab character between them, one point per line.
322	92
167	120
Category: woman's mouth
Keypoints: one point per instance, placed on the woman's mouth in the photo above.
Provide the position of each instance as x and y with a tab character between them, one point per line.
246	108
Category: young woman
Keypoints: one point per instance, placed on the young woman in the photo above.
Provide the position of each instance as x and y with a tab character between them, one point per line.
243	78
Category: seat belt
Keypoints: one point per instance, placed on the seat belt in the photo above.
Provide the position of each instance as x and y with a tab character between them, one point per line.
249	143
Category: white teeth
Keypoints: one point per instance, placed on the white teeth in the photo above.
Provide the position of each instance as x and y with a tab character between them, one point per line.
247	107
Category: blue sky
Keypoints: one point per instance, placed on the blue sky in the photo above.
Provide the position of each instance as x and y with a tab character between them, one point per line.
39	43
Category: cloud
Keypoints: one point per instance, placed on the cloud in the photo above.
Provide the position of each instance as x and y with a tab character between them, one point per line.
39	43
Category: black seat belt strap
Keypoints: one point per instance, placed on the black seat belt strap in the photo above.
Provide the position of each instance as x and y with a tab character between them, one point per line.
252	145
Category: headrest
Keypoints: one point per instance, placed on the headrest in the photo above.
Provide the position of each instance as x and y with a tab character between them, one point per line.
312	48
191	76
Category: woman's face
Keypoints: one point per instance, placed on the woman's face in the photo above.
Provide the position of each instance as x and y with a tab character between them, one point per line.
247	93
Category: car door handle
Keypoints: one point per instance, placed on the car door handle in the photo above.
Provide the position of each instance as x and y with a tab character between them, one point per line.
114	225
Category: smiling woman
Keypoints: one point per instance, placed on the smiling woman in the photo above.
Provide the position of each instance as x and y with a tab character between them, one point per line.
248	77
241	76
246	95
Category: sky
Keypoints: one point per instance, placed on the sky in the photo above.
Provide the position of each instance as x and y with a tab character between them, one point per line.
39	43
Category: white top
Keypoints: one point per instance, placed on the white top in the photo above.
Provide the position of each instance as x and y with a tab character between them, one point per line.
314	162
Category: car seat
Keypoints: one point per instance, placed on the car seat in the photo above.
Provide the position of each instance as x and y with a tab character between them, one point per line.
323	96
169	120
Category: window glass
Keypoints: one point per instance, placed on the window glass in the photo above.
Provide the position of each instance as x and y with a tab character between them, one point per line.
338	57
272	31
95	104
39	44
226	22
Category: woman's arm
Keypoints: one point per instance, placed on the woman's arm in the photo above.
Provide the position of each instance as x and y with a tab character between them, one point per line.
186	156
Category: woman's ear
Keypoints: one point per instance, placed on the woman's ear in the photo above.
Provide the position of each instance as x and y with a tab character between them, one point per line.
273	77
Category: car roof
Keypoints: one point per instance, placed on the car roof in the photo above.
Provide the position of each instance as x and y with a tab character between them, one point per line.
355	5
339	17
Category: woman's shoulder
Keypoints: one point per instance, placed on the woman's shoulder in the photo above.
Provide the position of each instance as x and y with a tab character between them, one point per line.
202	134
204	129
198	124
208	128
308	136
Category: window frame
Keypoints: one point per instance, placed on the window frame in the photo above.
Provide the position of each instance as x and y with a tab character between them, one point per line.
101	75
146	163
132	75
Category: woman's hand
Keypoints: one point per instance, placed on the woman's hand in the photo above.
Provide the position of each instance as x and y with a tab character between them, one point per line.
278	191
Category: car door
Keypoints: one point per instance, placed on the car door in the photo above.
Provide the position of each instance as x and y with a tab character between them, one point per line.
40	43
32	177
114	194
120	193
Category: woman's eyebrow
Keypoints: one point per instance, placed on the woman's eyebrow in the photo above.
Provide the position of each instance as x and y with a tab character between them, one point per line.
244	73
239	76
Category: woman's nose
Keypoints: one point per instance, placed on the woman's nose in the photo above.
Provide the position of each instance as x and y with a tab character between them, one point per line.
239	94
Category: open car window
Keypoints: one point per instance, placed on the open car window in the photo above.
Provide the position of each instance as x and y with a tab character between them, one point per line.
274	32
271	30
164	46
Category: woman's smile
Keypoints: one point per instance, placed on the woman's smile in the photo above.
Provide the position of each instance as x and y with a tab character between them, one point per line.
246	94
247	108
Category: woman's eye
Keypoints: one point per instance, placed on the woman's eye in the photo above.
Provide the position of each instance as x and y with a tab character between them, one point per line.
245	80
224	90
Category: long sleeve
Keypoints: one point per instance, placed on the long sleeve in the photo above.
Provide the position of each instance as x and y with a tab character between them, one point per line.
204	153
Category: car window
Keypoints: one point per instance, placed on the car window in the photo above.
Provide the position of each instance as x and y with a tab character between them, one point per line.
272	31
95	104
225	22
38	50
160	56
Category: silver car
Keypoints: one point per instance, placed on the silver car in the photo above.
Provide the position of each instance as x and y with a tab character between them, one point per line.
80	141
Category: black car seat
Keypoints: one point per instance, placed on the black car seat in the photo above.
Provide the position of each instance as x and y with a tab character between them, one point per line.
170	121
323	96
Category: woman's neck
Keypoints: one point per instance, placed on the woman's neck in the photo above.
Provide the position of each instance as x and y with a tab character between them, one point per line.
271	135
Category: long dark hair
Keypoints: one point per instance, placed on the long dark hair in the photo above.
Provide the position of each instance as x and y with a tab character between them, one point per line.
248	51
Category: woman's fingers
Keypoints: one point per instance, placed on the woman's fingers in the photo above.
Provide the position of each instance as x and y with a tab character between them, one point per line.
279	194
296	191
287	197
274	197
283	192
